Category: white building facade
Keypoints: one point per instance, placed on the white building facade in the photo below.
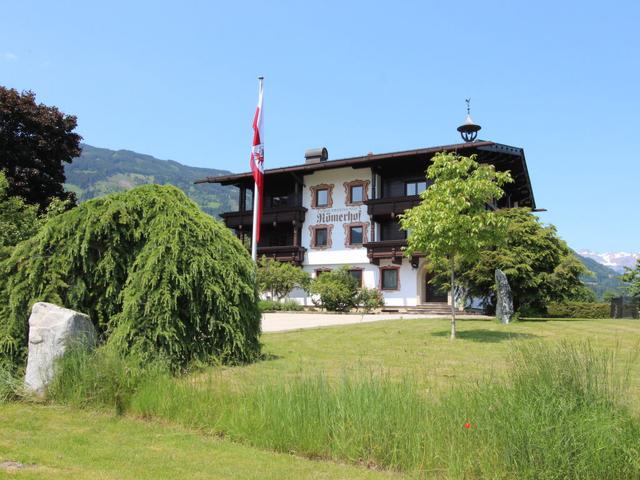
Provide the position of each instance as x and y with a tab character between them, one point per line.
325	214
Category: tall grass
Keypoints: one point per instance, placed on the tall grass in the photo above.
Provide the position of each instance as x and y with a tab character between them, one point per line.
11	388
102	377
560	414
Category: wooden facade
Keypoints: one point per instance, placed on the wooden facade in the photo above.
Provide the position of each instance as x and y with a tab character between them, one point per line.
394	179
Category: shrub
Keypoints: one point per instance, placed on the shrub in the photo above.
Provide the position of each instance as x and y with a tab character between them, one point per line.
18	221
157	276
337	290
275	306
579	310
369	299
279	278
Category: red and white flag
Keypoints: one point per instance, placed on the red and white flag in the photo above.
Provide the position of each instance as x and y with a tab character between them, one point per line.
257	165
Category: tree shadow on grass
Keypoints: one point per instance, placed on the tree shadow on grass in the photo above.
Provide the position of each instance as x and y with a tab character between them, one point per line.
487	336
267	357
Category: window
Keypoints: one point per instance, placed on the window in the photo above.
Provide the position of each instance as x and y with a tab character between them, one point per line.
357	275
322	197
389	279
415	188
280	201
248	199
320	271
356	193
355	235
320	237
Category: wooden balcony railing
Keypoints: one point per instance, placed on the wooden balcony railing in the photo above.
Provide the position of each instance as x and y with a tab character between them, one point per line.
269	215
391	206
390	250
284	253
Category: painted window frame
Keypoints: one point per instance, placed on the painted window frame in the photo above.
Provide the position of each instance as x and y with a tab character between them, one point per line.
347	192
347	234
361	271
312	236
392	268
314	195
318	271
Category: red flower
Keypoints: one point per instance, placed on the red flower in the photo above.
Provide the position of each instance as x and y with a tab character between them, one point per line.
467	425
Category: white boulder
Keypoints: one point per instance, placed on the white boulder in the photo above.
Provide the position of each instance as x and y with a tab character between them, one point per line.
51	330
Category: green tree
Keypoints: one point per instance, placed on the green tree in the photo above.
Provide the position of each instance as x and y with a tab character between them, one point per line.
156	275
452	223
541	268
279	278
337	290
632	276
18	221
35	141
609	295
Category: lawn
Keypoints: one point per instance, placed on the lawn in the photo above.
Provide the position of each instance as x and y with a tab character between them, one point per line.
62	443
422	349
67	443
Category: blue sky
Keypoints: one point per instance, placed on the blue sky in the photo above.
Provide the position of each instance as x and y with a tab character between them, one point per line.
178	80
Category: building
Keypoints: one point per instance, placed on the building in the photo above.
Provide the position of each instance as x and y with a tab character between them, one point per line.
323	214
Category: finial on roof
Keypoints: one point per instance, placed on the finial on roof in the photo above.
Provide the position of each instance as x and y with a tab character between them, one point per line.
468	130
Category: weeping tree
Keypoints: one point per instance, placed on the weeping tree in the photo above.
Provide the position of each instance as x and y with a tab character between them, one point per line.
157	276
452	222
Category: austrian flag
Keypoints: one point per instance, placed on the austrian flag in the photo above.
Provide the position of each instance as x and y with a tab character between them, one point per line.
257	166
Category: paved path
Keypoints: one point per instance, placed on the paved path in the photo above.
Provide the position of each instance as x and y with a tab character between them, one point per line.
282	322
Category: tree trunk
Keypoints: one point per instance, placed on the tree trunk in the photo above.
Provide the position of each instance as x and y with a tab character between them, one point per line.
453	299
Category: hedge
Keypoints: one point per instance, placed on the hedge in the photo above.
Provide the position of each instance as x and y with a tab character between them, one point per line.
579	310
276	306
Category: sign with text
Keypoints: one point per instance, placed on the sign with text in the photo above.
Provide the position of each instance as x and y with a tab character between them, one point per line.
342	215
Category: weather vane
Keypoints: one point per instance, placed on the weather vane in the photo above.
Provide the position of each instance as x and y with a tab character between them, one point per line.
468	100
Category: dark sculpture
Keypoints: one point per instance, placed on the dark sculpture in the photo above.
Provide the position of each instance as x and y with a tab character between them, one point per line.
504	300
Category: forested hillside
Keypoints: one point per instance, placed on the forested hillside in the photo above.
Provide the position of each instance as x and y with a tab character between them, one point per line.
99	171
604	279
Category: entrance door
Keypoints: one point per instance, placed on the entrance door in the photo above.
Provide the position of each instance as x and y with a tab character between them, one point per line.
434	292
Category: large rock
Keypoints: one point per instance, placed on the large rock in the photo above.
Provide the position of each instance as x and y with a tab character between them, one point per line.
51	330
504	301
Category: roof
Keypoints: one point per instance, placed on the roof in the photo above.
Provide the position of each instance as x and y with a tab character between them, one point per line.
353	161
371	159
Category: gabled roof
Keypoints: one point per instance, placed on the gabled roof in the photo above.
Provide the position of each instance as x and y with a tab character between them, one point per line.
372	159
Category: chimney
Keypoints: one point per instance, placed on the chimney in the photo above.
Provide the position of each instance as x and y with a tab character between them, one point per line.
316	155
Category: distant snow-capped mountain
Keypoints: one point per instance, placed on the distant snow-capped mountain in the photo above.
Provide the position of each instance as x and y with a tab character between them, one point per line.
615	260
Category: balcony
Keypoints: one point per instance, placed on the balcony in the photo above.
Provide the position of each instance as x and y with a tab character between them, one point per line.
271	215
284	253
390	250
389	207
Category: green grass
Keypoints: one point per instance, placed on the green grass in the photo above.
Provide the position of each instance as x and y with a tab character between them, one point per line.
396	395
422	349
61	443
561	413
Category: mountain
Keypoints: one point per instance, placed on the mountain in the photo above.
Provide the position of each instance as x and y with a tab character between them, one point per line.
604	279
615	260
99	171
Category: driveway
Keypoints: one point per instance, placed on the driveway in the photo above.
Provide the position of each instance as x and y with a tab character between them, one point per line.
284	321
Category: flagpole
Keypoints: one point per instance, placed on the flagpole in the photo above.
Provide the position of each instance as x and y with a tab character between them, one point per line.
254	244
256	198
